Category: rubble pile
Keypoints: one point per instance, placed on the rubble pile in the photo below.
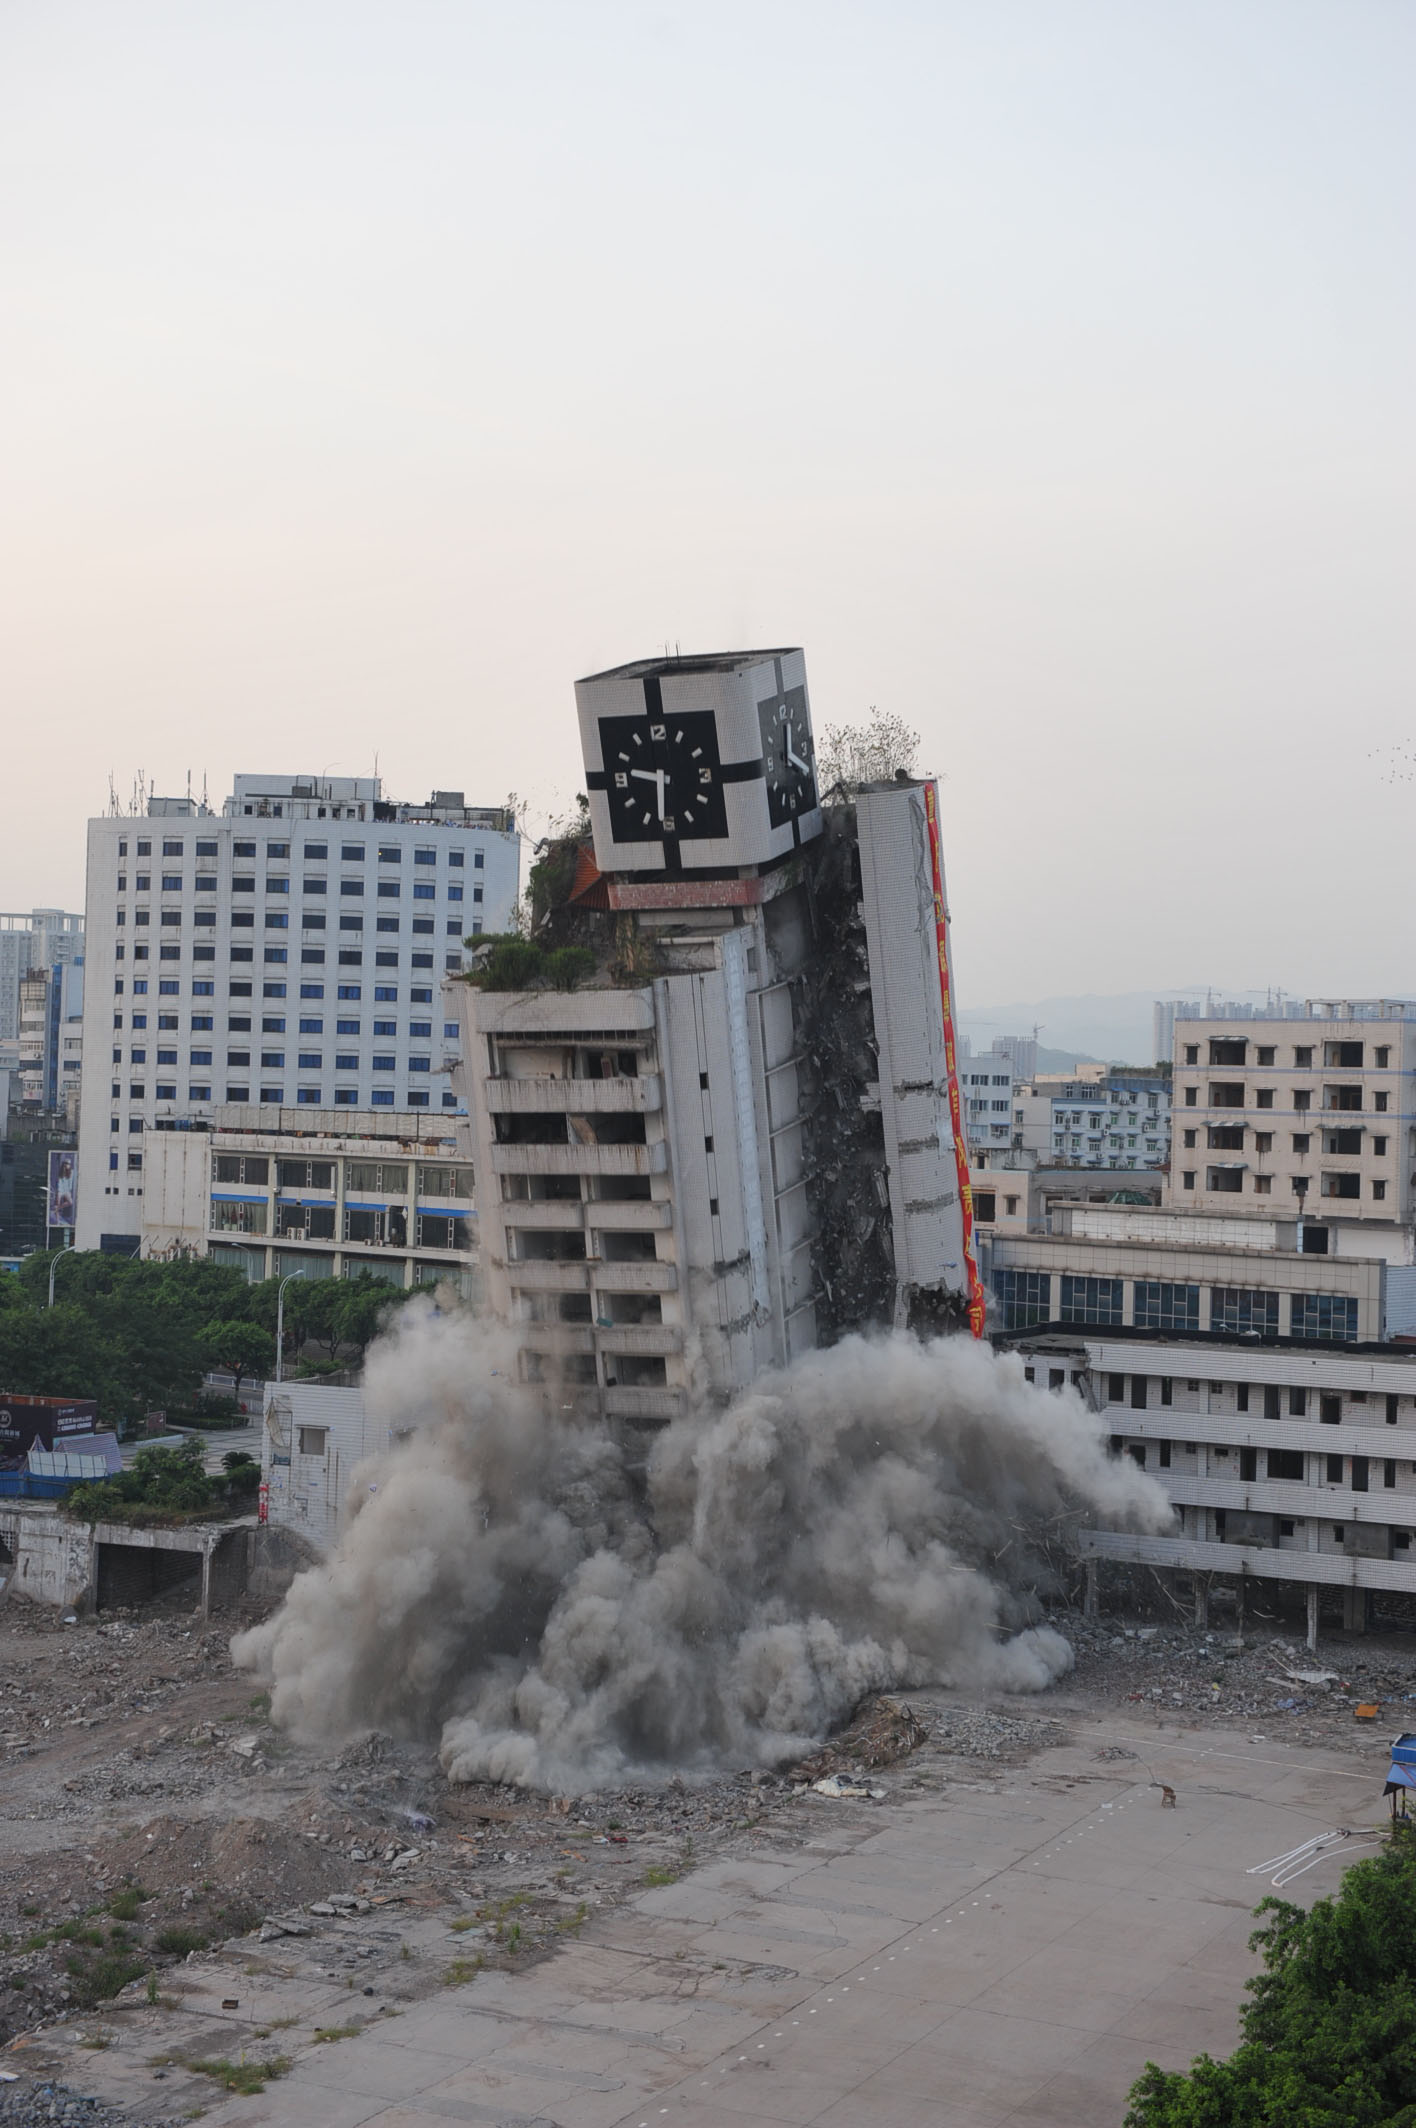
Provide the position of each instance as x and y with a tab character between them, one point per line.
883	1731
1267	1678
41	2105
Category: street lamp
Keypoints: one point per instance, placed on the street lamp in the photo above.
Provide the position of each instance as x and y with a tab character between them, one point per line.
288	1280
59	1256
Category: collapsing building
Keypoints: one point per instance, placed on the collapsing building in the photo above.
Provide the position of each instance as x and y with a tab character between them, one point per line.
715	1115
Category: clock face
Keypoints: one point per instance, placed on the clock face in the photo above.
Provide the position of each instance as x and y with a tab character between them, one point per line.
788	755
663	776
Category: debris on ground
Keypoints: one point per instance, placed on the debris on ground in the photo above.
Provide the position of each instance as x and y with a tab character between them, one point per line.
883	1732
846	1784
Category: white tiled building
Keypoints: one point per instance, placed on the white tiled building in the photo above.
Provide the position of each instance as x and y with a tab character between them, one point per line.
288	953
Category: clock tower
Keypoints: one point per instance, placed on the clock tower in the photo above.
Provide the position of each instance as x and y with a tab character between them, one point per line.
699	767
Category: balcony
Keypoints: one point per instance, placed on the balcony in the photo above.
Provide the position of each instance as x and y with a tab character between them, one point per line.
556	1212
635	1277
543	1096
1264	1562
556	1340
636	1216
547	1277
581	1159
665	1339
662	1404
1290	1497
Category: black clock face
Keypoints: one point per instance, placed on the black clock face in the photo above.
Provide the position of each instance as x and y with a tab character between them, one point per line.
663	777
788	755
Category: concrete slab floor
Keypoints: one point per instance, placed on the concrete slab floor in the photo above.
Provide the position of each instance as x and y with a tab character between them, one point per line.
1005	1952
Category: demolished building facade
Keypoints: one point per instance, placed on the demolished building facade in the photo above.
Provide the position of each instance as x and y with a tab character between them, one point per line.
738	1136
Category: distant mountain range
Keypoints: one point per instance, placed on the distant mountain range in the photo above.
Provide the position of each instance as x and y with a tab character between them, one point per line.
1073	1030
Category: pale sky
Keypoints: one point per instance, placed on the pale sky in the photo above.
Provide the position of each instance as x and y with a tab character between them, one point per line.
1044	368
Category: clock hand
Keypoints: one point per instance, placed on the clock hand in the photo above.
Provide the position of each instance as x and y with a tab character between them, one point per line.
793	759
656	776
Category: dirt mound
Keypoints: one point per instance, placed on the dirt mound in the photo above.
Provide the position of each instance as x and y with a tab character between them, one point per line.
255	1862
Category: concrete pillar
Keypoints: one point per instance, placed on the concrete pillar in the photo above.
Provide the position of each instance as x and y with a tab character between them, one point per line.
1312	1618
1202	1601
1354	1610
1091	1598
1239	1614
206	1578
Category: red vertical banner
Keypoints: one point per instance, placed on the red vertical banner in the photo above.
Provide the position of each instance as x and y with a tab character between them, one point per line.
956	1111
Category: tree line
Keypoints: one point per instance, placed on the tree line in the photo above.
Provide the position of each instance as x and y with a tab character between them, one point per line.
140	1337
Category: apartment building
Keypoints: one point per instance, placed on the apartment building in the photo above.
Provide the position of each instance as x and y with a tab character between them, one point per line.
288	952
315	1193
37	940
1309	1117
51	1040
742	1134
1286	1461
1114	1119
987	1084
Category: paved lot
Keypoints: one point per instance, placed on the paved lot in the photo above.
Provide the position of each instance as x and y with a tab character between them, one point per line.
1008	1953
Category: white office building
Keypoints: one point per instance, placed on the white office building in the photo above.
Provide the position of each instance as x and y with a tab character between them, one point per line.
286	953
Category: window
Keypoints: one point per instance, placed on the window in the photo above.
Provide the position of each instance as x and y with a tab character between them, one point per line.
1379	1146
1381	1056
1091	1300
1334	1477
424	890
1379	1103
309	1060
1331	1315
346	1063
386	994
313	1439
1301	1141
1302	1101
1342	1186
389	889
423	1028
316	886
386	923
1024	1297
1264	1097
1227	1180
351	852
1391	1409
1192	1052
984	1207
1286	1463
390	853
1263	1141
1378	1191
421	1064
351	991
1188	1178
382	1097
454	893
308	1094
1303	1059
1189	1137
351	886
312	990
1192	1094
315	852
384	1064
1239	1311
1265	1056
345	1096
171	882
1165	1307
346	1026
1263	1185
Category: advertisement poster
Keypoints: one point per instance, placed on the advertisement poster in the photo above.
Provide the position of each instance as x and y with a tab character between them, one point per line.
60	1210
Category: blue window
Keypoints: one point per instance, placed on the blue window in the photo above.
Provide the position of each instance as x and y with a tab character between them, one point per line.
385	993
113	1157
277	849
166	987
1164	1307
118	987
424	890
450	1030
390	853
1092	1300
171	882
449	1101
312	1026
200	989
420	1063
204	884
385	1026
415	996
454	893
425	857
351	990
1240	1311
140	986
308	1093
277	920
424	926
382	1097
206	919
308	1061
317	886
1331	1315
201	1056
346	1026
198	1093
385	923
312	990
272	1060
454	857
272	1097
390	889
421	960
351	886
420	1027
167	1056
276	953
201	1023
1025	1297
344	1063
384	1064
477	860
351	852
137	1056
312	852
165	1093
454	928
277	886
345	1096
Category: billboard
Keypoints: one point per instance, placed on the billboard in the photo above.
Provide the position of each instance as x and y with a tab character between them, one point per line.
59	1210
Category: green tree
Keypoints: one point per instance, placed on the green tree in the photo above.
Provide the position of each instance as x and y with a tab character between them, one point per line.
239	1345
363	1307
1330	2036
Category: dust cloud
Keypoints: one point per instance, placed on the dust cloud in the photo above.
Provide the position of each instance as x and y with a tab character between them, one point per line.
877	1515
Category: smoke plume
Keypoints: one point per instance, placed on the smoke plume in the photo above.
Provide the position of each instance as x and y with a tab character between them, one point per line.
874	1516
